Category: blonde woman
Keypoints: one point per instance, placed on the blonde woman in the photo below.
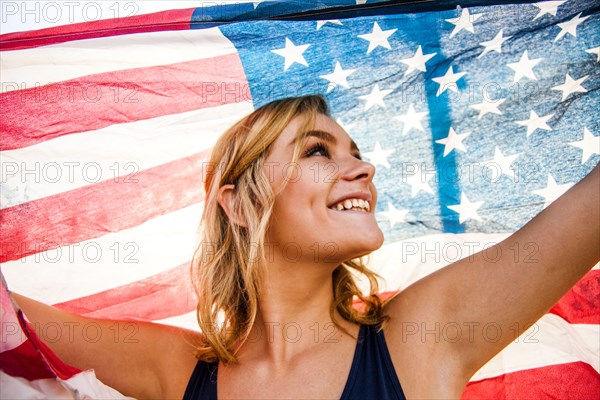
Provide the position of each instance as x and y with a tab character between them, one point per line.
274	269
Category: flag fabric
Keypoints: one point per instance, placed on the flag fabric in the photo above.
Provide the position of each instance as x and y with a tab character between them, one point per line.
476	117
31	370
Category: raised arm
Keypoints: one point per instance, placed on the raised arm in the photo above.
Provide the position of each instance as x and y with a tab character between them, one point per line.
510	290
139	359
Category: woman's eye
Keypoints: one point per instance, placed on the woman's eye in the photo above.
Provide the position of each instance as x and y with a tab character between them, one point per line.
318	150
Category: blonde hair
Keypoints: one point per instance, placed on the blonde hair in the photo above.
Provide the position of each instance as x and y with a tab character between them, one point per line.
228	263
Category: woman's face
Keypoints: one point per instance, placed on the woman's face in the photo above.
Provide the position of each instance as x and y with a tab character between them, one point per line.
326	211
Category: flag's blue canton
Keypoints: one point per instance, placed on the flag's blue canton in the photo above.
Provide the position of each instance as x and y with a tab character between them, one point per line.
431	139
203	16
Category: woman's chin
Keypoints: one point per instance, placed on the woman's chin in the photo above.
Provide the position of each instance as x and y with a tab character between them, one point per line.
367	245
377	242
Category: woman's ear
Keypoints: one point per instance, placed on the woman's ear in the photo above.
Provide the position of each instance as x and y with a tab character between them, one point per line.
225	197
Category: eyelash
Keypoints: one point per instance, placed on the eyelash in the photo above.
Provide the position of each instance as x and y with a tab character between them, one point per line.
317	147
323	148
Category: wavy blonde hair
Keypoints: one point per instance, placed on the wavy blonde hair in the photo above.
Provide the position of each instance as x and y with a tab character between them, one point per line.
229	261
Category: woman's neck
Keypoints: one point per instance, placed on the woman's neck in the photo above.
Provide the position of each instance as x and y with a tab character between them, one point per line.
294	312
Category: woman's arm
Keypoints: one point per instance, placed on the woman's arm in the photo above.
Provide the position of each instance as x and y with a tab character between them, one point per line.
476	291
139	359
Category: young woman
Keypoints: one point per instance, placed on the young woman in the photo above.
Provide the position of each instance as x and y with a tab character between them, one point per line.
274	276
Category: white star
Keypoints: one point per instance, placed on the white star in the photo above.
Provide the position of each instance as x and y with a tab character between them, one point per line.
590	145
453	141
571	86
378	38
256	4
394	215
465	21
292	53
411	119
535	122
487	107
596	51
419	182
417	61
524	68
346	127
448	81
570	26
466	209
547	7
375	97
338	77
503	162
379	156
331	21
494	45
552	191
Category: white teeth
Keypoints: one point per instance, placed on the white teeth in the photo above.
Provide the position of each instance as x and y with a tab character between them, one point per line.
352	204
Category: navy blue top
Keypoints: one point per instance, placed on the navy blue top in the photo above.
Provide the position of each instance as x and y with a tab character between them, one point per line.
372	375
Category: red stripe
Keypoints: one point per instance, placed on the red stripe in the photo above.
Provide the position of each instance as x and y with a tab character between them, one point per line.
24	361
576	380
360	306
580	305
33	359
160	21
32	116
160	296
60	368
104	207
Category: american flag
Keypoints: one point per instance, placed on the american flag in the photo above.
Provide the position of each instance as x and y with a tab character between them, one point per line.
476	117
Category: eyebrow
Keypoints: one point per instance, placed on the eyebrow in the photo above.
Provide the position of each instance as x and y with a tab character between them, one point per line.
326	136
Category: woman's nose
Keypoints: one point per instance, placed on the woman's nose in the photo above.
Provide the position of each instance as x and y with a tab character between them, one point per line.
356	169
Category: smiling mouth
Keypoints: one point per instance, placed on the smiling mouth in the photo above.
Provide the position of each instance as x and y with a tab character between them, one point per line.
352	204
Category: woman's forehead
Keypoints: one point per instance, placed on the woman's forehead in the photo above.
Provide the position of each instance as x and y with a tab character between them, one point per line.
324	128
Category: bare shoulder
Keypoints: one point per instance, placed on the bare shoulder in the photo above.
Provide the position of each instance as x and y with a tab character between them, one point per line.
415	339
155	362
172	353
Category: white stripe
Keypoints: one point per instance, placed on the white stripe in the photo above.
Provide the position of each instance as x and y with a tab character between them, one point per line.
187	321
28	68
71	276
162	243
103	263
550	341
73	161
404	262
